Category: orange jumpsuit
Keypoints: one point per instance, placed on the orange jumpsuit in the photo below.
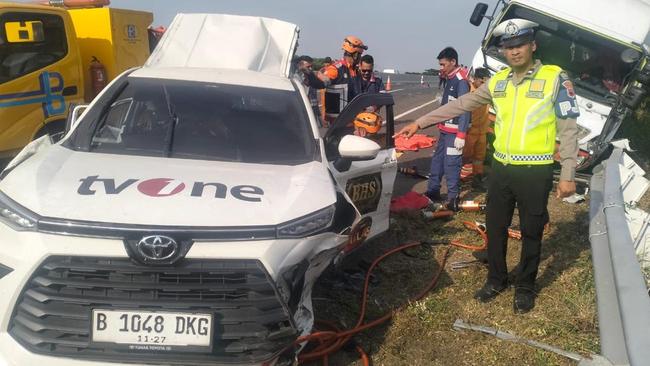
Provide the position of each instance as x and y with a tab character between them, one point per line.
476	142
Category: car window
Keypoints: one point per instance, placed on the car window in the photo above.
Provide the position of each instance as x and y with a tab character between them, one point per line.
206	121
29	42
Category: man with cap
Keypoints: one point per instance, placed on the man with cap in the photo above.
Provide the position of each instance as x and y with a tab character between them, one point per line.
533	104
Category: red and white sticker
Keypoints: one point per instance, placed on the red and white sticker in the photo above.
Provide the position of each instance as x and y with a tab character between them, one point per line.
161	187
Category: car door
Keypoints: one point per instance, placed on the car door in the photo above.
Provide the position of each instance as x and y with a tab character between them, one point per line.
368	183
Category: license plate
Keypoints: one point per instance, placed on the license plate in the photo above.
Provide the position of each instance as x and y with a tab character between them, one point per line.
151	328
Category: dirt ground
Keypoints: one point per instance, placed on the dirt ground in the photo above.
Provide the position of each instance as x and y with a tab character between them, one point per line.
421	332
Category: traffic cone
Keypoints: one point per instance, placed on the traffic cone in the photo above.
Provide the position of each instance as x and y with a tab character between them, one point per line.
389	86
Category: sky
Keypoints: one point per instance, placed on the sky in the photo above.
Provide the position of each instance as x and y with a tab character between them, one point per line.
406	35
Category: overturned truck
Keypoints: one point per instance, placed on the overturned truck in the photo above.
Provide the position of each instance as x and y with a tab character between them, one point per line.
603	47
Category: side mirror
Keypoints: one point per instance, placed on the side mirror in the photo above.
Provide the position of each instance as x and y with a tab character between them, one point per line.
356	148
73	116
478	14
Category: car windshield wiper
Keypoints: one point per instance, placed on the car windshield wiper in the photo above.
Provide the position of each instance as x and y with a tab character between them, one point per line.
203	157
169	138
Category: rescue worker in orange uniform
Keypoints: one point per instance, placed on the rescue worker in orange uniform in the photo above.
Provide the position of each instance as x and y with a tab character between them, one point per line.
476	143
340	79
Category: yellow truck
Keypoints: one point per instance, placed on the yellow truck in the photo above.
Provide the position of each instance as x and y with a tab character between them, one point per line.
46	63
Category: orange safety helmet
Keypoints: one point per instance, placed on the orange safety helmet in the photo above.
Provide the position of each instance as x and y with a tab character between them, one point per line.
352	45
369	121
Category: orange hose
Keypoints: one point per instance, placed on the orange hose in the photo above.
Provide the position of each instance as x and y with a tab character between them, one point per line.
330	341
472	226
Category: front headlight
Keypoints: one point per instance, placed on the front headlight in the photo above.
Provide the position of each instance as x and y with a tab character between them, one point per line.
16	216
307	225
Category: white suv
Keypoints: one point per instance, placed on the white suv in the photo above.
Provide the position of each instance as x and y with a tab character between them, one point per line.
187	213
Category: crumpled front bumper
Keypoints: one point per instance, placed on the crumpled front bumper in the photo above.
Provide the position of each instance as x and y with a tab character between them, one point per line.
292	266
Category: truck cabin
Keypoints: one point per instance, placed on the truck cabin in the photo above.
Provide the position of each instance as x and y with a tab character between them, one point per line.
29	42
598	66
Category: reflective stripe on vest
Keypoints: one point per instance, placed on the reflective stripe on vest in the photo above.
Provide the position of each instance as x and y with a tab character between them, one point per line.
336	98
525	117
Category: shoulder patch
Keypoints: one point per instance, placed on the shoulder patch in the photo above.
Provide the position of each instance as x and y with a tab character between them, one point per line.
568	85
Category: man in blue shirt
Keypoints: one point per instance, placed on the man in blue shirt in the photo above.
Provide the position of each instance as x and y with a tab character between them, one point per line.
369	82
448	157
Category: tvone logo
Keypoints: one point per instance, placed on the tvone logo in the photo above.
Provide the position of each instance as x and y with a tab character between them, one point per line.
165	187
161	187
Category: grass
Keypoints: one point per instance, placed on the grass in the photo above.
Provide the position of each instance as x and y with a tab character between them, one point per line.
421	333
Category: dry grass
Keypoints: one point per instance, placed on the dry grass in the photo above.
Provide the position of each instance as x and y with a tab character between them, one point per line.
422	334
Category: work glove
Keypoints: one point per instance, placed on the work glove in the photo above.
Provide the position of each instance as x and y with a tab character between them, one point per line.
459	143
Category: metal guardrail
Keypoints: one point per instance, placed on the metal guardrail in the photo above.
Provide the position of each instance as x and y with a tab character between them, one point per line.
622	295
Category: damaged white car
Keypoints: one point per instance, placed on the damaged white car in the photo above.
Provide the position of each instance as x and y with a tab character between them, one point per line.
188	211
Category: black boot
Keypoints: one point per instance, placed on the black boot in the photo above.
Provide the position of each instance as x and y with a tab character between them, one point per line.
434	196
489	292
524	300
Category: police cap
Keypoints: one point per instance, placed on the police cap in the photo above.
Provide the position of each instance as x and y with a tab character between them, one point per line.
515	32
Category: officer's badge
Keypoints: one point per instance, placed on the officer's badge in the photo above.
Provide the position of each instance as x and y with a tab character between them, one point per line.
536	89
537	85
501	86
511	29
500	89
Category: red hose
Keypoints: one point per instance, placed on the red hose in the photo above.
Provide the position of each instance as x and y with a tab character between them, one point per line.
330	341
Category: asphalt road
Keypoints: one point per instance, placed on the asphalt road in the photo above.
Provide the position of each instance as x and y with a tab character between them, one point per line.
410	103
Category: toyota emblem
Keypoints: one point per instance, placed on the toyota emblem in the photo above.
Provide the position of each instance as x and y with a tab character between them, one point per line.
157	248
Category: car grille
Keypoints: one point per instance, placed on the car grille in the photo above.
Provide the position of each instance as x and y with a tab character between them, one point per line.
53	313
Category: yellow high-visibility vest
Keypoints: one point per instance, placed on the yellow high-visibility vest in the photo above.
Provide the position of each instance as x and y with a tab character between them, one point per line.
525	116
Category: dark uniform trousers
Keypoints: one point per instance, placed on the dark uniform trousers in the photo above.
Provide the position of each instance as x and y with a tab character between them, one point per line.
526	187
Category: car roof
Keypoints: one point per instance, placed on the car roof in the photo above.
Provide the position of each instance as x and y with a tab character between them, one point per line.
226	41
218	76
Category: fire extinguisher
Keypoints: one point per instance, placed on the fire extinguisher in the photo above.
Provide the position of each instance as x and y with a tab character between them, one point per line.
98	77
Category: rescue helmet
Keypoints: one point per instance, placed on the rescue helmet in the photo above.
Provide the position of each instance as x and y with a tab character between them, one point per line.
515	32
369	121
352	45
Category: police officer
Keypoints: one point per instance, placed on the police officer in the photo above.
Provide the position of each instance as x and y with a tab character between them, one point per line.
533	104
340	78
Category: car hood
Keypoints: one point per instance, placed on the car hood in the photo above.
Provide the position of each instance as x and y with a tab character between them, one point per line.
61	183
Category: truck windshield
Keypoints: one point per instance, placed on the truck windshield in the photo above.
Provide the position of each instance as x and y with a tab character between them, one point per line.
205	121
593	62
